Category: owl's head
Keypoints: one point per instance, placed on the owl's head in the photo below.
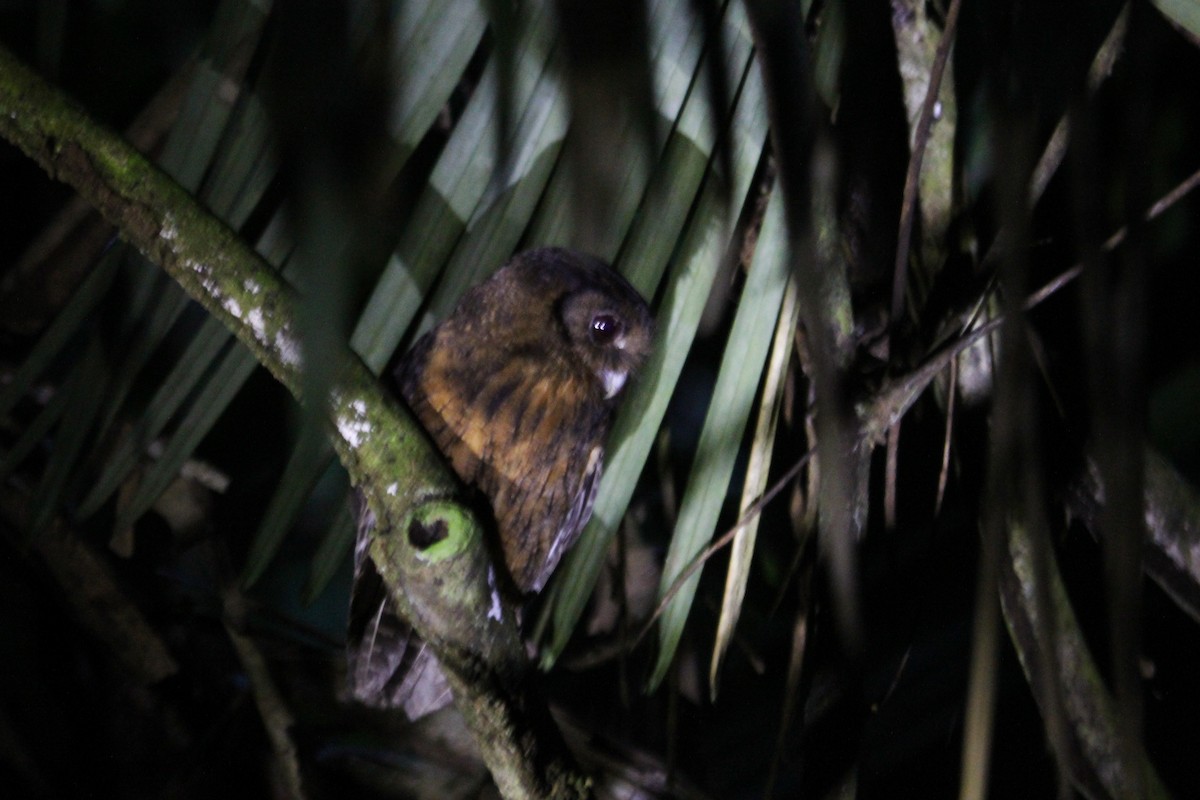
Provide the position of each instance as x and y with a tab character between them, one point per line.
610	333
607	324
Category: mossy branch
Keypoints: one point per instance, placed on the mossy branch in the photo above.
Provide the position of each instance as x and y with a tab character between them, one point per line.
1095	757
443	586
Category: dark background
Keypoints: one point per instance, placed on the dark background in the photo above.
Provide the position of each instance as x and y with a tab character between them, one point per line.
72	724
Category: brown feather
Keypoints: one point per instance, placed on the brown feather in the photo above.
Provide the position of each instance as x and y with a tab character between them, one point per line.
517	389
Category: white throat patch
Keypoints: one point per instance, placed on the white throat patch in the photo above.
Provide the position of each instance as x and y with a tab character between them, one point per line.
613	380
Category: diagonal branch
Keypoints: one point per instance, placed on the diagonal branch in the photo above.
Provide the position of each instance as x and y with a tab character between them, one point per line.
442	586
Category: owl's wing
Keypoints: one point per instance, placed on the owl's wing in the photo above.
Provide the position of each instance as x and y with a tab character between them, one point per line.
388	665
541	477
576	518
528	434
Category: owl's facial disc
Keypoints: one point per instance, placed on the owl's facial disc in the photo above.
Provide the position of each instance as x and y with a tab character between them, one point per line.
609	331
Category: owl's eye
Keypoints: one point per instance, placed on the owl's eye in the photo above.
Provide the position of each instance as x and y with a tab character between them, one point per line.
605	328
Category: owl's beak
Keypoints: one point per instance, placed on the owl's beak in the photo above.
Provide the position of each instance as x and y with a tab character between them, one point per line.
613	380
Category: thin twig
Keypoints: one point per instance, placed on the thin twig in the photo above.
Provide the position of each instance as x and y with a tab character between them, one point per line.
920	141
889	478
276	717
892	403
1056	148
705	554
944	472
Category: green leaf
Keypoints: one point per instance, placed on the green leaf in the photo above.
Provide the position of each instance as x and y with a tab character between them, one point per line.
85	391
223	384
333	548
676	45
226	381
310	457
433	44
741	551
1184	13
69	321
456	189
431	47
703	243
245	167
193	363
498	220
203	126
196	363
724	426
34	433
153	324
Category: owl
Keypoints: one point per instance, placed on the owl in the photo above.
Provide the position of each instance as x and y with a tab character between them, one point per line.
517	388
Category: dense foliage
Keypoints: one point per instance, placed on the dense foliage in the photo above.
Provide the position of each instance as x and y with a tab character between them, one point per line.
961	509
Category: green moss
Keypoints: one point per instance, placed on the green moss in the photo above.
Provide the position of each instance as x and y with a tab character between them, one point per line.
451	527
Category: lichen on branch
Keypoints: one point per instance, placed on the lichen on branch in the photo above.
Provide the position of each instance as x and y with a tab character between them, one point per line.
387	455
